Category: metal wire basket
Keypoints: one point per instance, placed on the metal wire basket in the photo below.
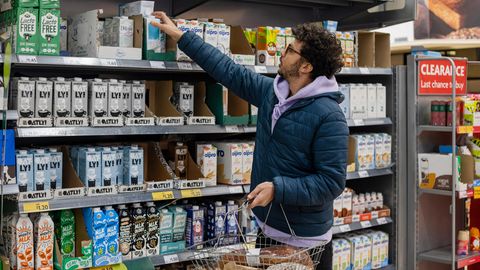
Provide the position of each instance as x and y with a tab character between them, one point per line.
251	252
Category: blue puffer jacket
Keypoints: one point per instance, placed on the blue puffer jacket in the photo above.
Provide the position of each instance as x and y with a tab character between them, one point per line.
305	156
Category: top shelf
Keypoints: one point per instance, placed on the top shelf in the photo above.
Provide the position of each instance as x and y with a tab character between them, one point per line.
151	66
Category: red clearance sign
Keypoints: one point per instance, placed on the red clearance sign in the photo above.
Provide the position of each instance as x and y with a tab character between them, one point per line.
435	77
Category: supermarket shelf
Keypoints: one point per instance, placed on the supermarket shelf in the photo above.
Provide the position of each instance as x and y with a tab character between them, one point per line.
361	225
10	189
389	267
444	255
460	129
156	66
122	198
460	195
125	131
369	122
369	173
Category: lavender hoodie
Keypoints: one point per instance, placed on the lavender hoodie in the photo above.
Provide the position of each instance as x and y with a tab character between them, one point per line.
319	86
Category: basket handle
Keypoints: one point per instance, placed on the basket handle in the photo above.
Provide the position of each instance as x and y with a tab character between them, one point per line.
292	232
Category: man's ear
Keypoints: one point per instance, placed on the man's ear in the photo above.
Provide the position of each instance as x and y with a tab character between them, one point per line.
306	67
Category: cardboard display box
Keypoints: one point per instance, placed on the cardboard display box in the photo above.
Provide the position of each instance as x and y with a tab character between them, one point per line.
228	108
374	50
435	171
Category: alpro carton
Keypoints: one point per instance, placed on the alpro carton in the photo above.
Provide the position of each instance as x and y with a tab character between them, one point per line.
138	99
387	149
210	34
24	167
41	169
133	165
336	259
207	160
126	102
49	39
26	31
61	97
56	168
379	151
109	170
345	105
247	161
184	27
90	170
43	98
361	152
370	155
79	95
223	41
266	46
122	32
115	90
98	93
230	161
23	99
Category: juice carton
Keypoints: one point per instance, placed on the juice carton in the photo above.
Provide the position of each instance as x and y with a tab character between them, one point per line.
49	39
153	229
79	101
133	165
247	161
24	240
115	90
166	226
387	149
61	97
345	105
194	227
370	161
207	160
44	238
231	228
90	167
56	168
138	99
125	232
210	34
266	46
66	233
183	98
216	217
230	161
139	242
122	32
379	151
381	101
98	93
179	222
43	98
25	30
112	230
23	96
24	161
109	169
118	165
126	102
41	169
371	100
223	40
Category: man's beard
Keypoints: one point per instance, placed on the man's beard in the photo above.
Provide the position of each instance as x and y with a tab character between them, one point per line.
290	72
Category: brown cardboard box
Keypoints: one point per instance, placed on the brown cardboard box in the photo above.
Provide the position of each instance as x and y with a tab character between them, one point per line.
374	49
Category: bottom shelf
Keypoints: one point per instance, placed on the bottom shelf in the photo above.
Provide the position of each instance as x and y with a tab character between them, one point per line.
444	255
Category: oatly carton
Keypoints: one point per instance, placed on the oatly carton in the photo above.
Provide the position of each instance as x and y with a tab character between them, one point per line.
79	103
126	102
23	96
138	99
90	167
56	168
61	97
98	92
24	167
115	90
109	170
133	166
41	169
43	98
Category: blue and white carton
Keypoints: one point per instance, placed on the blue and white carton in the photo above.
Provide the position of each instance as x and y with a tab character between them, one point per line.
90	167
194	227
56	168
24	173
133	165
216	217
109	170
41	170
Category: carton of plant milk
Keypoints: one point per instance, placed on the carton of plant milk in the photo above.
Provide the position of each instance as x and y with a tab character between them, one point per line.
112	230
98	93
24	173
216	220
266	46
166	226
379	151
144	8
109	170
358	101
223	41
194	227
118	165
138	99
184	26
153	220
133	165
90	167
371	100
345	105
23	96
125	232
231	227
230	161
61	97
41	170
154	43
210	34
126	102
183	98
370	157
49	39
43	98
56	168
207	160
25	30
381	101
247	161
63	35
384	249
122	32
24	240
361	152
179	222
345	260
387	149
115	90
44	238
337	249
138	244
79	102
196	27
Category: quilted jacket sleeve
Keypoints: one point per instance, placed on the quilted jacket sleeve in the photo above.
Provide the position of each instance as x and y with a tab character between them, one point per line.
330	151
243	82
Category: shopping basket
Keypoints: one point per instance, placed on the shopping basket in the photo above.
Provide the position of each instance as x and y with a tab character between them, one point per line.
252	252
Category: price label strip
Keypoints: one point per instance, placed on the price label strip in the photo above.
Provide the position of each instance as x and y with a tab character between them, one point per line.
366	224
27	59
476	193
163	195
363	174
364	71
109	62
235	189
191	193
35	207
345	228
358	122
260	69
169	259
382	221
232	129
465	129
158	64
185	66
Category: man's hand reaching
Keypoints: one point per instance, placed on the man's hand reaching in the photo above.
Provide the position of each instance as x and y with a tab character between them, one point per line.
167	26
262	195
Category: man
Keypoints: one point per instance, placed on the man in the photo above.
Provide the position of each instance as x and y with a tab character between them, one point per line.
301	143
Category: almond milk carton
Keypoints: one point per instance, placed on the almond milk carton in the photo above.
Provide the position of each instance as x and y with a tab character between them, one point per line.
379	151
207	160
24	240
44	237
247	161
387	149
230	163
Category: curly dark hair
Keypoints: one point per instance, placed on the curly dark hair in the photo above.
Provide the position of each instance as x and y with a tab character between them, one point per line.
320	48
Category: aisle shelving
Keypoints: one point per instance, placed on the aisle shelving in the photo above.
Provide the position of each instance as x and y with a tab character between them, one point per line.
355	226
444	256
369	173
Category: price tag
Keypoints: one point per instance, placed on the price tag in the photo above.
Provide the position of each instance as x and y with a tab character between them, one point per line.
465	129
235	189
34	207
382	221
260	69
71	61
364	71
190	193
185	66
345	228
169	259
109	62
476	193
232	129
158	64
366	224
358	122
363	174
27	59
163	195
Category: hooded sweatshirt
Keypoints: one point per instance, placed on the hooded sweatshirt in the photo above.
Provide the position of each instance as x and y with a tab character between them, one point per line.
319	86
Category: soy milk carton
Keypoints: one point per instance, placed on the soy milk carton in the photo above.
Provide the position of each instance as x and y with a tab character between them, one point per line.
207	160
44	240
24	170
24	240
230	161
247	161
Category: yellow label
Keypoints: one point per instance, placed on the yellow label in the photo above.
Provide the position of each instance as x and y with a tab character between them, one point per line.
163	195
465	129
190	193
476	193
119	266
34	207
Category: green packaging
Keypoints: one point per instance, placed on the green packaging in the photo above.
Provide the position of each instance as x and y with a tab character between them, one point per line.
49	3
25	3
49	39
26	31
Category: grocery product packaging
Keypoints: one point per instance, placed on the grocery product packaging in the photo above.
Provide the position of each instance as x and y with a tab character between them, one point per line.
435	171
43	98
207	160
25	30
62	90
24	173
49	38
266	46
229	163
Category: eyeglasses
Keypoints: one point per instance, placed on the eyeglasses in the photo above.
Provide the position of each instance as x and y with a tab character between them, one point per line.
290	48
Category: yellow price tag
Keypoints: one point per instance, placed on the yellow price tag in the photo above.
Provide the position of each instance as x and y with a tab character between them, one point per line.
190	193
34	207
465	129
476	193
163	195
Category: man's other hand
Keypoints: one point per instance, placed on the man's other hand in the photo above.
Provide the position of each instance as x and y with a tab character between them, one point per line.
262	195
167	26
